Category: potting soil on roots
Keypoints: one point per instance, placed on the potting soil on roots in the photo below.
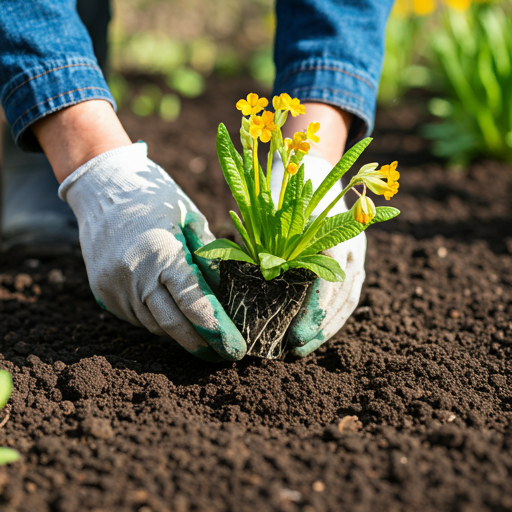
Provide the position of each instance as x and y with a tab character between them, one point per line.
110	418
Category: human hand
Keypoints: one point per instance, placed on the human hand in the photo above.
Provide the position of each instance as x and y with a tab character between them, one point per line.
134	224
328	305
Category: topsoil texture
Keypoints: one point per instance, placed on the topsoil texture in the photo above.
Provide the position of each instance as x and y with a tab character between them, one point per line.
111	418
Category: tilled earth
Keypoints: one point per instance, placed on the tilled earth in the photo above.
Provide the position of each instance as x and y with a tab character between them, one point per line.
111	418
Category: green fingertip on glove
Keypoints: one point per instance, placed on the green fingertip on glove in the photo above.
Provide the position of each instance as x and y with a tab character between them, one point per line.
307	324
226	340
310	346
209	268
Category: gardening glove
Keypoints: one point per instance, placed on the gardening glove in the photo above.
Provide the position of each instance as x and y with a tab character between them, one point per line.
134	224
328	305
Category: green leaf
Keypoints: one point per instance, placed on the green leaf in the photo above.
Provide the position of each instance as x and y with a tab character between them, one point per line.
269	260
232	167
7	455
223	249
5	387
271	273
323	266
343	227
346	162
243	233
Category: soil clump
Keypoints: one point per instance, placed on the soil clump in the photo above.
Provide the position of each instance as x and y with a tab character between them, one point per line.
110	418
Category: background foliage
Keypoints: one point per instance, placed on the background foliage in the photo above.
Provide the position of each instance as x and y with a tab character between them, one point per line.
458	52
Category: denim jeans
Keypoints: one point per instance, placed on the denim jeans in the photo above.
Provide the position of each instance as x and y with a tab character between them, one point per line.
329	51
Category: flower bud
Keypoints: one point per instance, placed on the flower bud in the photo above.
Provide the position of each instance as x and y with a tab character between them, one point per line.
364	210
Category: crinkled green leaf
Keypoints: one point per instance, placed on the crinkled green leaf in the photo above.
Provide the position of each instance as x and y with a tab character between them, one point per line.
5	387
346	162
232	167
223	249
323	266
342	227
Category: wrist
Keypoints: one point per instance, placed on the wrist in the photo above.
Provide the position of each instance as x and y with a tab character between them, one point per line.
334	126
73	136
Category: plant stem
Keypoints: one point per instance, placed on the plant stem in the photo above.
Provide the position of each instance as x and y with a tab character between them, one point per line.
269	164
256	166
311	231
286	177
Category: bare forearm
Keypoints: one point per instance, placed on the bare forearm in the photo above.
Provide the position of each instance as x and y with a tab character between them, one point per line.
74	135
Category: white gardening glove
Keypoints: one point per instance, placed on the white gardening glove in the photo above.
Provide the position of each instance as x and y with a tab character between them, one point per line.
328	305
133	220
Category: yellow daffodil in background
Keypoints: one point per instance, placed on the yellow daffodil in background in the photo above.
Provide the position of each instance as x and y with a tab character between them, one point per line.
253	105
312	129
262	126
406	8
364	209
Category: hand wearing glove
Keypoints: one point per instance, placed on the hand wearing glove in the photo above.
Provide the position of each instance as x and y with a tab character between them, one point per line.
134	224
328	305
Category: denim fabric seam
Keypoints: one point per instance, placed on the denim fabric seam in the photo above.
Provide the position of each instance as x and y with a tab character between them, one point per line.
354	109
60	106
294	70
45	73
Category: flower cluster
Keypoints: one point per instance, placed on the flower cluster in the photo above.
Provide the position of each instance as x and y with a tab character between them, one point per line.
266	127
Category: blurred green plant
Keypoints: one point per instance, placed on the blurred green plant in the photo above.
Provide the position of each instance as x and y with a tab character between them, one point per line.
7	455
473	65
401	69
226	37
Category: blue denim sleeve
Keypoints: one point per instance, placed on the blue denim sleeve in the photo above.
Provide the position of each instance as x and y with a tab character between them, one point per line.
331	51
46	63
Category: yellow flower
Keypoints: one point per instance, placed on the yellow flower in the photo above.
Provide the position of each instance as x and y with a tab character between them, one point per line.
390	171
292	168
404	8
285	102
458	5
252	105
262	126
423	7
393	189
298	143
280	102
364	210
312	129
295	108
374	179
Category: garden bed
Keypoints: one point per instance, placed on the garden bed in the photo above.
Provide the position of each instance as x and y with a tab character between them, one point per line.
111	418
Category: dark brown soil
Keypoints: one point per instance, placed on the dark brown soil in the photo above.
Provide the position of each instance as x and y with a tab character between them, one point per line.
111	418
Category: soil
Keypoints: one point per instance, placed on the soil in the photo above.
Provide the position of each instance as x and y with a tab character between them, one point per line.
407	408
262	310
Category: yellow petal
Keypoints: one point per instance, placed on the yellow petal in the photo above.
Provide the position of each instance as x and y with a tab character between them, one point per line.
423	7
312	129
